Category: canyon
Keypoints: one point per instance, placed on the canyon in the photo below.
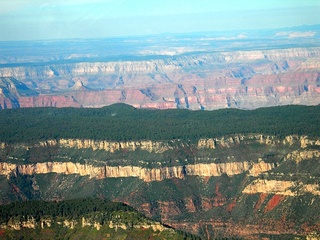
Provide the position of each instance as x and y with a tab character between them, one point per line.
217	190
202	77
108	119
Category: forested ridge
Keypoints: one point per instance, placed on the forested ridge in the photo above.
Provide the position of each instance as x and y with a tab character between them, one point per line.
72	209
95	210
120	122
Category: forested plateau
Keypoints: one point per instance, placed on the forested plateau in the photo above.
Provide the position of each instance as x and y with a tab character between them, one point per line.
214	174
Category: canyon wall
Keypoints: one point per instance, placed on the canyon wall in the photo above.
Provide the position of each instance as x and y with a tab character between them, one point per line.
239	79
286	188
145	174
239	185
160	147
253	167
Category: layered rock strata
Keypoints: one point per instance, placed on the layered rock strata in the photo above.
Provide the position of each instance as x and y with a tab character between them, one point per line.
160	147
240	79
145	174
236	185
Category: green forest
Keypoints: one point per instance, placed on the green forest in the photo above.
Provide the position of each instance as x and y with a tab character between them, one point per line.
120	122
72	209
93	209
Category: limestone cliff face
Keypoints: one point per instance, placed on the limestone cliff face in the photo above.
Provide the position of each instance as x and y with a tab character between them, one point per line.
213	169
271	54
31	223
18	225
111	146
270	186
299	156
287	188
261	167
7	168
160	147
305	142
207	143
62	168
221	142
227	142
158	174
145	174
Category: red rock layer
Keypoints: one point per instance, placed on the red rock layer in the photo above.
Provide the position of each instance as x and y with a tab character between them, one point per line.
48	101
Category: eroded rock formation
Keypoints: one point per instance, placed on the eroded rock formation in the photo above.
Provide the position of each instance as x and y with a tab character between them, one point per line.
237	185
147	175
240	79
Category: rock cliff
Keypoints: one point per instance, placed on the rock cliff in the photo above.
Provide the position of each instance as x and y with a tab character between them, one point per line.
287	188
160	147
149	146
239	79
251	183
253	167
147	175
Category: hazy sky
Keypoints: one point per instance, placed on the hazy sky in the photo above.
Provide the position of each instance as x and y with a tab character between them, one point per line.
47	19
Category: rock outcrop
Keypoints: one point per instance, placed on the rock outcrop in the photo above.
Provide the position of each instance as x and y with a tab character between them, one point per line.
160	147
299	156
287	188
31	223
147	175
260	167
108	146
249	182
230	168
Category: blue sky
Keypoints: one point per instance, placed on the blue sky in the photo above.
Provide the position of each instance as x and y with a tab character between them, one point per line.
54	19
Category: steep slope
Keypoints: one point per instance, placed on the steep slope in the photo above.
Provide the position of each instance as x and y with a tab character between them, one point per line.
10	92
15	94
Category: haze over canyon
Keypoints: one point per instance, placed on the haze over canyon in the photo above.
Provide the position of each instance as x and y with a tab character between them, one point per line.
245	70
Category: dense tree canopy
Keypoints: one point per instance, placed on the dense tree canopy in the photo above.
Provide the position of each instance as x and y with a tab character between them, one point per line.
69	208
99	210
121	122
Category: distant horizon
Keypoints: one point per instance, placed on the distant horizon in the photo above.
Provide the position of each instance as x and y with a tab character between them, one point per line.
22	20
200	33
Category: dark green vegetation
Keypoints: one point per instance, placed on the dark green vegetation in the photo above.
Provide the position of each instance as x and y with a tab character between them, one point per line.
121	122
179	153
57	216
68	208
212	199
212	206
